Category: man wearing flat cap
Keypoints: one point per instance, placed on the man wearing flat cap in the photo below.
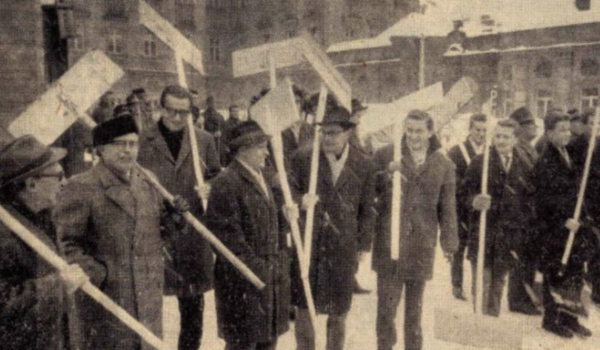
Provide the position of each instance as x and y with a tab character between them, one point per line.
343	224
243	214
165	149
32	299
428	202
109	221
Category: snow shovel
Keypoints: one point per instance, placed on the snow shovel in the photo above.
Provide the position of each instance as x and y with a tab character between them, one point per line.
477	329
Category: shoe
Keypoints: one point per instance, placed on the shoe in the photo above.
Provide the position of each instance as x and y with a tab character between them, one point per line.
458	293
580	330
561	331
360	290
526	309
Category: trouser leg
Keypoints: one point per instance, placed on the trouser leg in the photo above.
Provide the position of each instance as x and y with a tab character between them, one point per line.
517	294
305	334
336	332
191	310
497	276
457	264
389	291
413	334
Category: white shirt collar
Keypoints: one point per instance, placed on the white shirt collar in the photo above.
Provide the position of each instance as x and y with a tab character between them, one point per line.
336	165
478	149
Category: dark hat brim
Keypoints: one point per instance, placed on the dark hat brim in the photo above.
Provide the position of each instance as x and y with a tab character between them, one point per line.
249	139
56	155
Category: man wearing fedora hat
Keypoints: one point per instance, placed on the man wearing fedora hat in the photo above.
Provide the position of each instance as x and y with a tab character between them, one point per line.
109	220
343	223
32	302
243	213
165	149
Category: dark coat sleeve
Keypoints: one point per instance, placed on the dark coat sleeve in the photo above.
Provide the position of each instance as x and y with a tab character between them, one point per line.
224	219
447	211
213	163
366	211
72	216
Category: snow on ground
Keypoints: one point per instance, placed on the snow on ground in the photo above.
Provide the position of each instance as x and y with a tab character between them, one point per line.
360	331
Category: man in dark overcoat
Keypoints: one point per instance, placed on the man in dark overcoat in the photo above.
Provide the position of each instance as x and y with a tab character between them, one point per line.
508	204
33	305
462	155
556	179
243	214
165	150
428	202
343	224
108	220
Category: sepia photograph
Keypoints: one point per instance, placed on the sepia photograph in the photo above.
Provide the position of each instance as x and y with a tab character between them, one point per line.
299	175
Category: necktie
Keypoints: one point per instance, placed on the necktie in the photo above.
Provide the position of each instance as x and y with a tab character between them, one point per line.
506	162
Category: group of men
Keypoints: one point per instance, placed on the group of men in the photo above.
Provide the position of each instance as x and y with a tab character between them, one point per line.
530	204
117	232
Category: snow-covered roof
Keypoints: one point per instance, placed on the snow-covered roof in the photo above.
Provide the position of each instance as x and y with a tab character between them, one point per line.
480	17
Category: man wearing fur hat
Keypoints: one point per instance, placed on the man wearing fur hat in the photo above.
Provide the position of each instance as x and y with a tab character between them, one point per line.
109	221
343	224
243	213
32	302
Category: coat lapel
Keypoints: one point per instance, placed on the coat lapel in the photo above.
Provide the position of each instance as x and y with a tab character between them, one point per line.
116	190
347	172
185	150
325	176
250	178
158	142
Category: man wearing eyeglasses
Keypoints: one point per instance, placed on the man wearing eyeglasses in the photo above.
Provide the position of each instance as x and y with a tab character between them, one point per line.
165	150
110	220
32	303
343	223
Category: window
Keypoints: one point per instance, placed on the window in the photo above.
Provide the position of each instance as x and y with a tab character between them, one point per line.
114	8
589	67
543	69
589	98
184	13
77	41
150	47
115	43
544	102
215	50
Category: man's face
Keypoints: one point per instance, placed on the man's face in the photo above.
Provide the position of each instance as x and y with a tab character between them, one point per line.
477	132
255	155
528	131
45	186
417	134
334	138
577	127
560	136
175	112
504	139
121	154
235	112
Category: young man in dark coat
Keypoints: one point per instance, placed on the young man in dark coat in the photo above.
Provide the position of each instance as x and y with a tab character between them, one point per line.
33	304
242	212
343	224
508	205
462	155
165	150
556	179
109	220
428	202
227	155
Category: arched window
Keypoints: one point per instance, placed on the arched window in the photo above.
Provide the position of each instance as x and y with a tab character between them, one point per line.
543	69
589	67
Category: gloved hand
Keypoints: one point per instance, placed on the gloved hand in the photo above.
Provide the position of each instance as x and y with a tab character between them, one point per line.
74	277
180	205
291	212
309	200
482	202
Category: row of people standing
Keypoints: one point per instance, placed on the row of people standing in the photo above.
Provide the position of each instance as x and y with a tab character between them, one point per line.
530	200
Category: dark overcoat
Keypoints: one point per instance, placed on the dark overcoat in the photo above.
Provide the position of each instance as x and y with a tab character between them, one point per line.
343	224
463	213
428	202
245	219
556	185
189	258
508	219
112	230
32	300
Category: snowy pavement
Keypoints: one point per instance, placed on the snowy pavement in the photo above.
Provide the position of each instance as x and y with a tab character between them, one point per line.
360	331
